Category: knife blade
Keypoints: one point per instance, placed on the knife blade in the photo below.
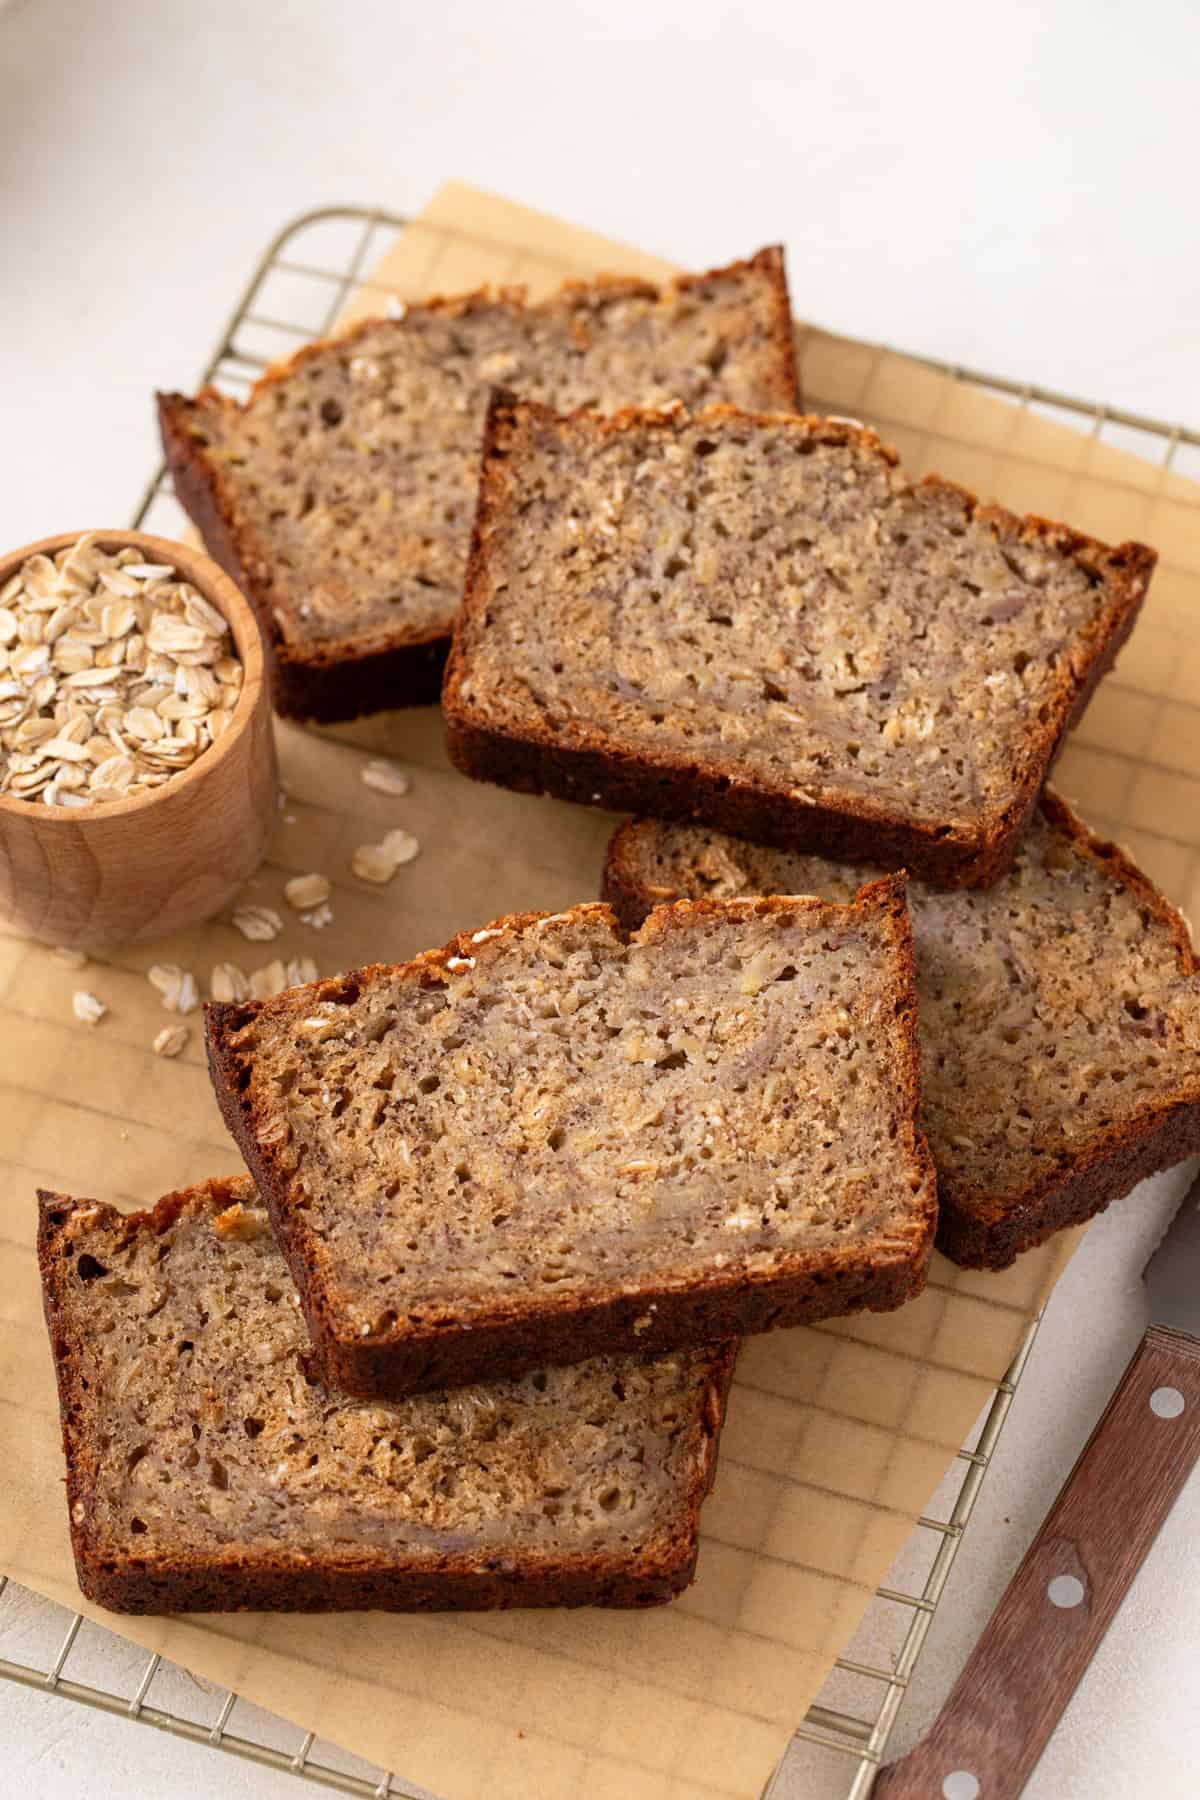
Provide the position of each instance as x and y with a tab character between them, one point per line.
1172	1275
1017	1681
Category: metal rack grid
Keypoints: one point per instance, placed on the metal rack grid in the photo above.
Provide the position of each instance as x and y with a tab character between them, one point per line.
297	292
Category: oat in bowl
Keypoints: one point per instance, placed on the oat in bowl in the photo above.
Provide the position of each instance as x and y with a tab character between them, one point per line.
137	765
115	673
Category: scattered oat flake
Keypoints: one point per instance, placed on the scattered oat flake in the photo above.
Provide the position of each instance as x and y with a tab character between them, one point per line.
385	777
258	923
268	981
228	982
301	970
166	977
170	1040
89	1009
401	846
371	862
379	862
74	959
306	891
176	985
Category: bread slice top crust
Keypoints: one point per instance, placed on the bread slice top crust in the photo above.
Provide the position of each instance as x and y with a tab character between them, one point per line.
1059	1016
198	1441
766	619
343	490
512	1141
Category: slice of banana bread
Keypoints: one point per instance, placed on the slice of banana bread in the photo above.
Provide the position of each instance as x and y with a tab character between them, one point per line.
207	1469
545	1141
757	622
340	496
1059	1017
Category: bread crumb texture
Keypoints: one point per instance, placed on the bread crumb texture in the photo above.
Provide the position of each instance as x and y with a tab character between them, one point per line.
1060	1005
773	598
546	1111
201	1430
350	475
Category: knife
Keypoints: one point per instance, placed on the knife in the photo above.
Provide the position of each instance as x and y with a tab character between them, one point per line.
1035	1647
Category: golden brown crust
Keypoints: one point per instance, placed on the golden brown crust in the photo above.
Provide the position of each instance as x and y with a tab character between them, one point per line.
1122	867
992	1236
983	1230
594	769
323	683
979	1228
245	1579
436	1351
331	682
770	261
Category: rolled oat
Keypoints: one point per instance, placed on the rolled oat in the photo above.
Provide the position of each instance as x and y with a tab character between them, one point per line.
258	923
378	862
307	891
228	982
385	777
114	675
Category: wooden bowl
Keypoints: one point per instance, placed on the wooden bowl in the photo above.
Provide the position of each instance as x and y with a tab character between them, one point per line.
124	870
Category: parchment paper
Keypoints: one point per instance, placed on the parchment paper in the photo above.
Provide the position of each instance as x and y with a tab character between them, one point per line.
837	1435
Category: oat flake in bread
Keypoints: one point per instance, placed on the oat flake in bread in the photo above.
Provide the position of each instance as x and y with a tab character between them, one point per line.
208	1470
340	495
1059	1017
757	622
545	1142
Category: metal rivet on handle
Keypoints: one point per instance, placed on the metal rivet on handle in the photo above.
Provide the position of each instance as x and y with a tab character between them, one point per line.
1167	1402
961	1785
1065	1591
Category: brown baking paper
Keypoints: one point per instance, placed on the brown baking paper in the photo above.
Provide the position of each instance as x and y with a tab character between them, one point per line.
837	1435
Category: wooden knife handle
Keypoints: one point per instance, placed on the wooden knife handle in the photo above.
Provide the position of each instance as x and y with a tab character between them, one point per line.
1041	1637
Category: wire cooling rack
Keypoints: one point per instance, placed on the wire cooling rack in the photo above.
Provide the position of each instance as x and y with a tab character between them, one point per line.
297	292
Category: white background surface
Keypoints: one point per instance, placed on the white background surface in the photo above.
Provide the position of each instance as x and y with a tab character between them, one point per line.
1011	188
